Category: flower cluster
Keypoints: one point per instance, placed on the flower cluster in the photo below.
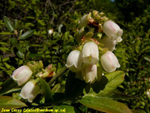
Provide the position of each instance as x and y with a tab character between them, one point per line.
97	39
24	75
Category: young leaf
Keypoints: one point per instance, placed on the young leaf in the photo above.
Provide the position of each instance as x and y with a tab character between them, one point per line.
104	104
8	24
9	102
26	35
46	89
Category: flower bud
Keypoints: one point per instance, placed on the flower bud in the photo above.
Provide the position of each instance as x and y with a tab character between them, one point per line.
22	74
50	31
108	43
74	61
89	73
148	93
30	91
90	53
48	72
80	34
112	30
84	20
109	62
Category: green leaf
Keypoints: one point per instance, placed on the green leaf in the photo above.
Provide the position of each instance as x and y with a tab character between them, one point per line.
26	35
12	91
15	43
137	47
104	104
16	23
46	90
58	98
138	111
4	49
114	80
3	43
7	102
123	96
147	59
8	24
33	55
7	85
100	85
59	28
6	33
20	54
63	109
74	86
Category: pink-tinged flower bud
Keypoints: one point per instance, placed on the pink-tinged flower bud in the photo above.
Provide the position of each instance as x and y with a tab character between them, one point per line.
30	91
112	30
74	61
89	73
108	43
90	53
22	74
109	61
84	20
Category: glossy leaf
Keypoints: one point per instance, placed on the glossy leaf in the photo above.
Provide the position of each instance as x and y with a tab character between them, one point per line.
26	35
46	90
104	104
9	102
114	80
8	24
7	85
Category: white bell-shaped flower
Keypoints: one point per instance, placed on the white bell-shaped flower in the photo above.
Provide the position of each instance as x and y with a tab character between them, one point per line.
74	61
30	91
108	43
112	30
89	73
109	61
84	20
22	74
90	53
